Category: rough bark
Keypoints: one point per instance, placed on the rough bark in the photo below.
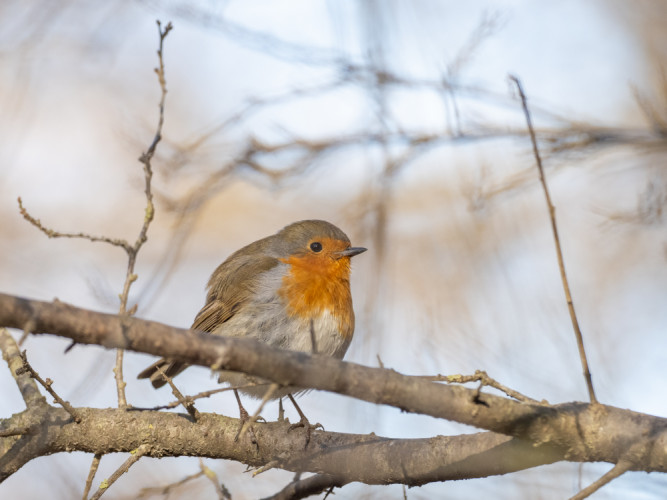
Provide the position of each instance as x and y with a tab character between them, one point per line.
523	435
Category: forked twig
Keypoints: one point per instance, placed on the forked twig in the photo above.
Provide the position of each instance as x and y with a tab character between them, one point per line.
559	252
149	213
482	377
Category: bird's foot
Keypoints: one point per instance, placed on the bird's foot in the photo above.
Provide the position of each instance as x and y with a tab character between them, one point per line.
303	422
307	426
246	423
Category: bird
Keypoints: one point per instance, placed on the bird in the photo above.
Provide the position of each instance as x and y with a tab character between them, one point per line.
289	290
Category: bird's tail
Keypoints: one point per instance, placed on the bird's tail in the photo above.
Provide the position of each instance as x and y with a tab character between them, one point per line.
171	368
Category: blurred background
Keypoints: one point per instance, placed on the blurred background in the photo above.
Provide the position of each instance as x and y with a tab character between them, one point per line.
394	120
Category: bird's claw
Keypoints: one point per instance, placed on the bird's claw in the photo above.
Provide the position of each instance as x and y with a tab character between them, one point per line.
307	426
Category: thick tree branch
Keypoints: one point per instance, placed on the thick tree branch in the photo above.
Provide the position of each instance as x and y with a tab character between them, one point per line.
352	457
578	431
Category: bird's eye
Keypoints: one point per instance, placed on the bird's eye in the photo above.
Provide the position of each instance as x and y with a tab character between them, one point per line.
316	246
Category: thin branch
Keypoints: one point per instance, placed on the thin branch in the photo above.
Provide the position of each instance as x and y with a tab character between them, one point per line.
26	384
165	490
24	335
91	475
483	377
205	394
51	233
26	367
134	458
303	488
617	470
187	404
559	252
654	119
149	214
220	489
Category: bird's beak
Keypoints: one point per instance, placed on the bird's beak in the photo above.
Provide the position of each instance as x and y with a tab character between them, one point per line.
350	252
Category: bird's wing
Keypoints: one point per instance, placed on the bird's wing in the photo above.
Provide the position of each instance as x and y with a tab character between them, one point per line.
232	284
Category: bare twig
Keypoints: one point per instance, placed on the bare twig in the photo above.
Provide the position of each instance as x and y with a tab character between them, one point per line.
149	212
26	331
134	458
617	470
483	377
303	488
559	252
654	119
205	394
220	489
186	402
57	234
271	465
91	475
47	385
165	490
26	384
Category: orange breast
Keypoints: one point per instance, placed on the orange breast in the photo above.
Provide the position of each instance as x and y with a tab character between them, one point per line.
318	283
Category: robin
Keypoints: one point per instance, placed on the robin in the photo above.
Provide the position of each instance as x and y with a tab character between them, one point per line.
289	290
